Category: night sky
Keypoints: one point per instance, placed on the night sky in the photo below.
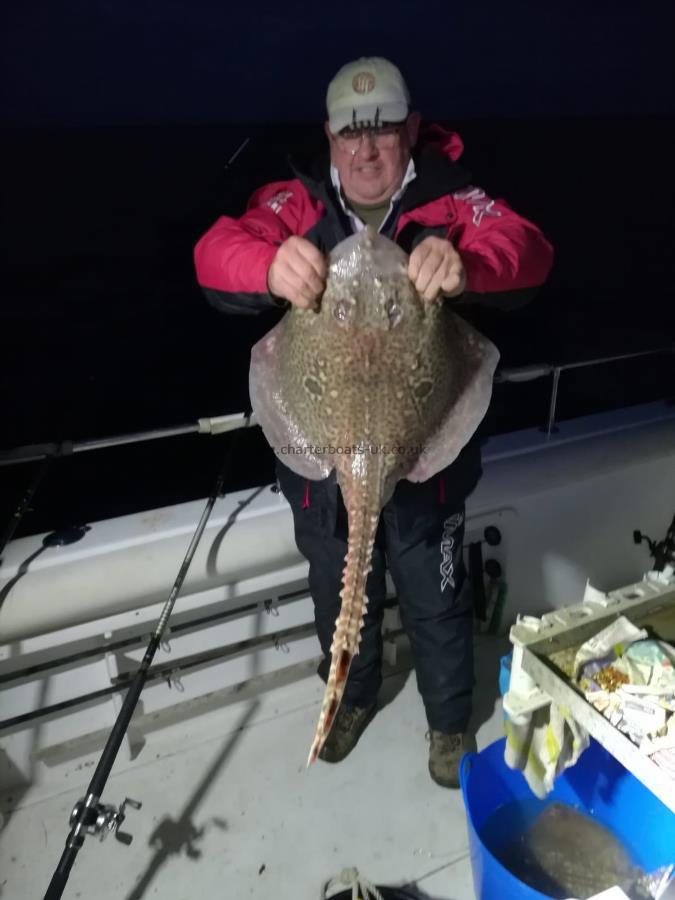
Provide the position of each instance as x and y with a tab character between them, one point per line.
117	121
179	62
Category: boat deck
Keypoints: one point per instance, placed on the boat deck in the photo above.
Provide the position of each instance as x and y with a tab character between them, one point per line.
229	809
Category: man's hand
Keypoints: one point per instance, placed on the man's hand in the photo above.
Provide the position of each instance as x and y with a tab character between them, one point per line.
435	267
298	273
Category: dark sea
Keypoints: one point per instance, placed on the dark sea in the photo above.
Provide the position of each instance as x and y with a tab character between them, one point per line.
105	331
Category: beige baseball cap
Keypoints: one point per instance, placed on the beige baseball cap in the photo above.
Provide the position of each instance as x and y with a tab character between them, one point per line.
366	92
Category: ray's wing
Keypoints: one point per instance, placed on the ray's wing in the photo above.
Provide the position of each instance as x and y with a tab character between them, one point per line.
467	412
271	410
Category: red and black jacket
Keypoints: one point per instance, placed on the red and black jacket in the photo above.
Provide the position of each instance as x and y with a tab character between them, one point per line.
505	256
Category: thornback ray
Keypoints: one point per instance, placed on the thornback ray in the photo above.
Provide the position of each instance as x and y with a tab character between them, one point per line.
378	385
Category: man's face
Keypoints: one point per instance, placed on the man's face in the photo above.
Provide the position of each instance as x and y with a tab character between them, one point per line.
372	167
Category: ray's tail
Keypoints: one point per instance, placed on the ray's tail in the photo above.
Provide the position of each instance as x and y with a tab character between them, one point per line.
363	518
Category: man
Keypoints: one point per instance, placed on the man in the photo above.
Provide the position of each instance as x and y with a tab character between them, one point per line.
462	245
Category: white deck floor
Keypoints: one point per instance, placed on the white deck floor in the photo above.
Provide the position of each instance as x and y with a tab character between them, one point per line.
230	811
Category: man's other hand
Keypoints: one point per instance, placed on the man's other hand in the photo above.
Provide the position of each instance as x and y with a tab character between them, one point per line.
435	267
298	273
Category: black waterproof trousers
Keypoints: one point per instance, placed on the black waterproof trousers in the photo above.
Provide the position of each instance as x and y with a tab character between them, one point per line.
423	553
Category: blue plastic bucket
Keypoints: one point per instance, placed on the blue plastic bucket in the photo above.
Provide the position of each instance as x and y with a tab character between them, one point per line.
597	785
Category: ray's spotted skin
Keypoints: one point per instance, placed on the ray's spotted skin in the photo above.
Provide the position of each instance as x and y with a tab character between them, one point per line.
378	385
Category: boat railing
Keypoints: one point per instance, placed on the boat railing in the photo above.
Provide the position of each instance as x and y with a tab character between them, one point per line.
231	422
544	370
46	453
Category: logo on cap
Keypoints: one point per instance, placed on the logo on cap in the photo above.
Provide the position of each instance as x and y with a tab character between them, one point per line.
363	83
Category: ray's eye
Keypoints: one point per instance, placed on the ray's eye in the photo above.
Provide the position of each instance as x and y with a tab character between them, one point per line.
341	311
393	311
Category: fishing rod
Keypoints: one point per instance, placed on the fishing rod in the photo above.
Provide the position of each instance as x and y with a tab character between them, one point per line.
90	815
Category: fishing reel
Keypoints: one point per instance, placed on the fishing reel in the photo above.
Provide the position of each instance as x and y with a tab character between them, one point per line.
663	552
100	819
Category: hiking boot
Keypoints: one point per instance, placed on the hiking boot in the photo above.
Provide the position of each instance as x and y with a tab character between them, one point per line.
445	752
350	723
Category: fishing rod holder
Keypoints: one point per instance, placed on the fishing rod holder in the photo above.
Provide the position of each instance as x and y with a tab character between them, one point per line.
100	819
